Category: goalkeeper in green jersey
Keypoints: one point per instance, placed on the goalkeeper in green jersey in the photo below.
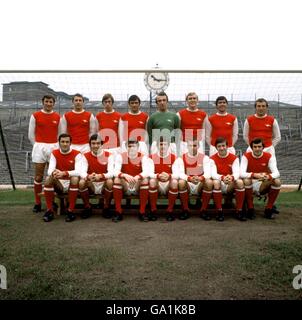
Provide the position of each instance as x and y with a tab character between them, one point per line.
163	123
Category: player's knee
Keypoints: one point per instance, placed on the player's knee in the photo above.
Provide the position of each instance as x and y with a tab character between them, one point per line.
152	183
74	180
247	182
109	184
174	184
182	184
117	181
239	184
276	183
49	180
216	184
145	181
38	178
82	184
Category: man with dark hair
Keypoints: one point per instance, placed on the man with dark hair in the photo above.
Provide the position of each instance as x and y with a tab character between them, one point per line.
64	170
163	123
133	125
107	124
261	124
43	134
96	177
260	175
225	169
131	177
221	124
79	123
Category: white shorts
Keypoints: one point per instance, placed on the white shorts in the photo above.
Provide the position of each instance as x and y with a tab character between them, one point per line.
133	190
193	188
256	186
83	148
41	151
163	187
213	150
98	186
184	148
142	148
65	184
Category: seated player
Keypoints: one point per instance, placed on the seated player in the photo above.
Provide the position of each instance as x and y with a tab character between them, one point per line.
194	178
63	176
131	177
163	178
225	170
260	173
97	174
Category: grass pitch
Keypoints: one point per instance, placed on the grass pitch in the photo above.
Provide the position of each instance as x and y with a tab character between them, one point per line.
193	259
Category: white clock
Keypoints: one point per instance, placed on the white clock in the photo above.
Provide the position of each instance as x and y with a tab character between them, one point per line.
156	81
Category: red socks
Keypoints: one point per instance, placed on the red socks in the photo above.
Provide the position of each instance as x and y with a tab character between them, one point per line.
37	190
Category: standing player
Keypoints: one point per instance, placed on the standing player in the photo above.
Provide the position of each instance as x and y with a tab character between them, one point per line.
97	174
107	124
163	123
133	125
164	169
260	173
262	125
192	123
225	169
194	177
64	172
222	124
79	123
131	172
43	134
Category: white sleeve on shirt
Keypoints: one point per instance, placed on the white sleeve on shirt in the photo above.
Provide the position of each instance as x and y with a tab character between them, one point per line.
246	129
214	173
78	166
92	126
235	131
181	170
208	128
63	125
243	168
207	167
117	165
175	169
110	167
272	164
52	164
276	133
236	169
32	129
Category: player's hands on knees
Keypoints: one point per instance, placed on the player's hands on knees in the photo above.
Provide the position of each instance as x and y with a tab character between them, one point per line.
164	176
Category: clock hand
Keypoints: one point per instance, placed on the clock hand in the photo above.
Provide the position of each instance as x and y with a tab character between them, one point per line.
155	79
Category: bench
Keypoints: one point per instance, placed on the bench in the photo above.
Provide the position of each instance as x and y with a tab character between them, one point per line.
61	201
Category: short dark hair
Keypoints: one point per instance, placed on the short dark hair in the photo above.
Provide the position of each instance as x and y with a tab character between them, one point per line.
261	100
256	141
64	135
49	96
134	97
161	94
221	140
78	95
106	97
221	98
95	136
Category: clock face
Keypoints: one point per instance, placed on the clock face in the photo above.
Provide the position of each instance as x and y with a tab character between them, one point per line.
156	81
